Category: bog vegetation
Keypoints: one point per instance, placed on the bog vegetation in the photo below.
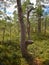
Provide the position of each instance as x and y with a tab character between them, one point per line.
12	33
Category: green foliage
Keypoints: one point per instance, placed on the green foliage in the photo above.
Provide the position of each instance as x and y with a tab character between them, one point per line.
9	48
1	12
24	6
40	47
46	62
39	10
15	16
10	53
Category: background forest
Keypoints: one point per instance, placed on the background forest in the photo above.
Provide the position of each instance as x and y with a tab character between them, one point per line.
24	39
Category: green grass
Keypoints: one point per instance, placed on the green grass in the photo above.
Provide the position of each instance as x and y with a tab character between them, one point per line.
40	47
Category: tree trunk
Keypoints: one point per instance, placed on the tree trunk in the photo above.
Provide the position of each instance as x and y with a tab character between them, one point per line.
28	22
28	25
24	43
3	34
45	27
10	33
39	25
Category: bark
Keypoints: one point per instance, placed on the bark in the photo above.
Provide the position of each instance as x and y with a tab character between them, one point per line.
28	22
10	33
3	34
45	28
28	25
24	43
39	24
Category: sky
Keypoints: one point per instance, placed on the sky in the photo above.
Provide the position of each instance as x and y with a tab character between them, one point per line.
33	1
11	9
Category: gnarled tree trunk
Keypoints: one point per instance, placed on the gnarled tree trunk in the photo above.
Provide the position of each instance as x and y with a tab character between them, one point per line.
28	22
24	43
28	25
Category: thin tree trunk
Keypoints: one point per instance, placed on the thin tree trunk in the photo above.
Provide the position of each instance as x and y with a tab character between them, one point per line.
10	33
28	25
24	43
39	25
3	34
28	22
45	28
